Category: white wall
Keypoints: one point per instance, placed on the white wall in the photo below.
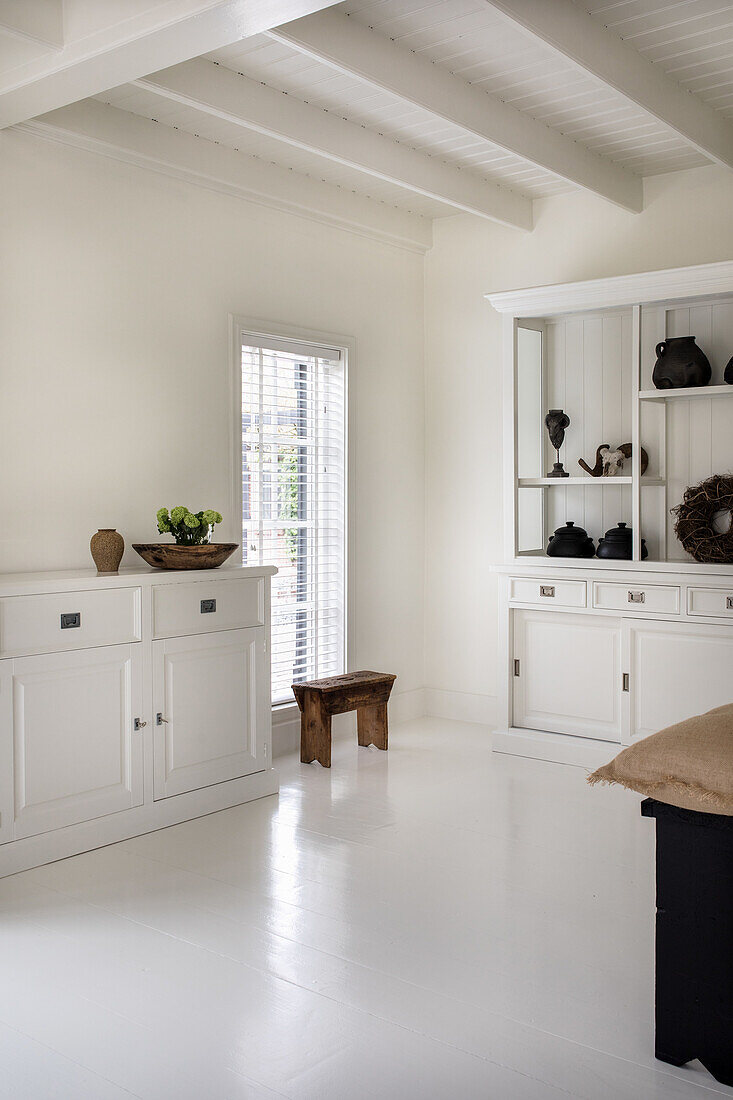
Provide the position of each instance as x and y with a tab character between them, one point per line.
688	219
115	289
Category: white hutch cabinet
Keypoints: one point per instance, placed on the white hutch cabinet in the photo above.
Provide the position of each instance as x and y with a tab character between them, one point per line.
127	703
595	653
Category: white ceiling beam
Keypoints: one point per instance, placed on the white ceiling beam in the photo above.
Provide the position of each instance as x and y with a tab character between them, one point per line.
597	52
38	20
217	91
120	135
162	34
350	48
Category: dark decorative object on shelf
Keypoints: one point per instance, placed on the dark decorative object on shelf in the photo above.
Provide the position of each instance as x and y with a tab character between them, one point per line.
624	449
556	422
728	376
618	543
570	542
680	364
703	523
694	940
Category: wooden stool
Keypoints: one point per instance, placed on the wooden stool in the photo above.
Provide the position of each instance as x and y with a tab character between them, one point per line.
365	692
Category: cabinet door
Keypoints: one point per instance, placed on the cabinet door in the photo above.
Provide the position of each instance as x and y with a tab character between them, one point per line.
211	699
677	672
569	674
76	755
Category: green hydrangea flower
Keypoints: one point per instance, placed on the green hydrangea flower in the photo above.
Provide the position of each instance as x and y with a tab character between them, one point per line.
211	517
163	518
179	514
190	520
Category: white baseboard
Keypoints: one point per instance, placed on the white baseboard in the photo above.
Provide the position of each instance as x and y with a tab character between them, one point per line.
558	748
405	706
285	731
461	706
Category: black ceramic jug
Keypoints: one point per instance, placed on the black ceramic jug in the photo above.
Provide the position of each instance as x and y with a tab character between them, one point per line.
618	543
570	542
680	364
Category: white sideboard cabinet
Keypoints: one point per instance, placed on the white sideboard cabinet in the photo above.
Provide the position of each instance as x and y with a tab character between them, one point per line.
127	703
596	653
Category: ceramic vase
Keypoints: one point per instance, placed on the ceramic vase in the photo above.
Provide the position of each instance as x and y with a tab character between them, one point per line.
107	547
680	364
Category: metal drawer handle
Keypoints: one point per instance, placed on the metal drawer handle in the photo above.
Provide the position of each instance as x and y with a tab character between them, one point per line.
70	620
729	603
637	597
547	590
208	606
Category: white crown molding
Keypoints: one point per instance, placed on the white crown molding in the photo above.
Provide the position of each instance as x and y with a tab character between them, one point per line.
119	135
667	285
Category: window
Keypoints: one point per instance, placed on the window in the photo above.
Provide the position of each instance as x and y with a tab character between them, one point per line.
294	499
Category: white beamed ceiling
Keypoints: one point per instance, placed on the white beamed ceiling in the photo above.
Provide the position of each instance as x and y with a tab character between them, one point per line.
691	41
250	143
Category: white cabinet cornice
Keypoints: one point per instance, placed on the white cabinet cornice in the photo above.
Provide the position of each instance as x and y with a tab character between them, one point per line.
668	285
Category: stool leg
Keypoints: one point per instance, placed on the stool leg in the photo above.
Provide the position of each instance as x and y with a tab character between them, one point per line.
371	725
315	730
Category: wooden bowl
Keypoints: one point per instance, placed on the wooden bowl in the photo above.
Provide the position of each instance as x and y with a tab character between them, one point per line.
167	555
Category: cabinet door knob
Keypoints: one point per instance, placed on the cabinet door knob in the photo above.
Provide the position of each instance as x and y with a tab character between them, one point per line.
159	719
140	723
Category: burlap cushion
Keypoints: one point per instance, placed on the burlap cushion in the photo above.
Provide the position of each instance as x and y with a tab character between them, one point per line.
688	765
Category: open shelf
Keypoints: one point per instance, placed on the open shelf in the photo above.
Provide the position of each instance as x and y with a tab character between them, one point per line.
595	482
691	391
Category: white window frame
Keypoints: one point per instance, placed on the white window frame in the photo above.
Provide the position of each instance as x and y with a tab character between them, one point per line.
242	326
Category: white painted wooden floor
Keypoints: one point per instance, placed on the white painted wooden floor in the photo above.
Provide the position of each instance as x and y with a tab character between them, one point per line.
435	922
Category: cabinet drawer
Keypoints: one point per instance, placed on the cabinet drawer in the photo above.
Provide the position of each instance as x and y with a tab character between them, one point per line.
202	607
648	598
68	620
548	593
710	601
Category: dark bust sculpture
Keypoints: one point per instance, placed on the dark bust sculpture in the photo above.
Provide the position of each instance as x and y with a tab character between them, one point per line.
556	422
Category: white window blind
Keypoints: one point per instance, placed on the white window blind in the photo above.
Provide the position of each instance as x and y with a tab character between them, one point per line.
294	500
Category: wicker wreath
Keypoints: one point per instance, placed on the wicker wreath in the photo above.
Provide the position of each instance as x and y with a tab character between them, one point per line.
694	526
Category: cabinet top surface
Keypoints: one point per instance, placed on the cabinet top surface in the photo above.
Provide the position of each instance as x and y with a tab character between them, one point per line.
691	572
12	584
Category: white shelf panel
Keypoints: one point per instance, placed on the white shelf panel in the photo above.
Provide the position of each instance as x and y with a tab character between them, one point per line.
563	482
690	392
594	482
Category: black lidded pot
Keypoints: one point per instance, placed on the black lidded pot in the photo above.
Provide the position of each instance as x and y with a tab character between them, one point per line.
618	543
570	542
